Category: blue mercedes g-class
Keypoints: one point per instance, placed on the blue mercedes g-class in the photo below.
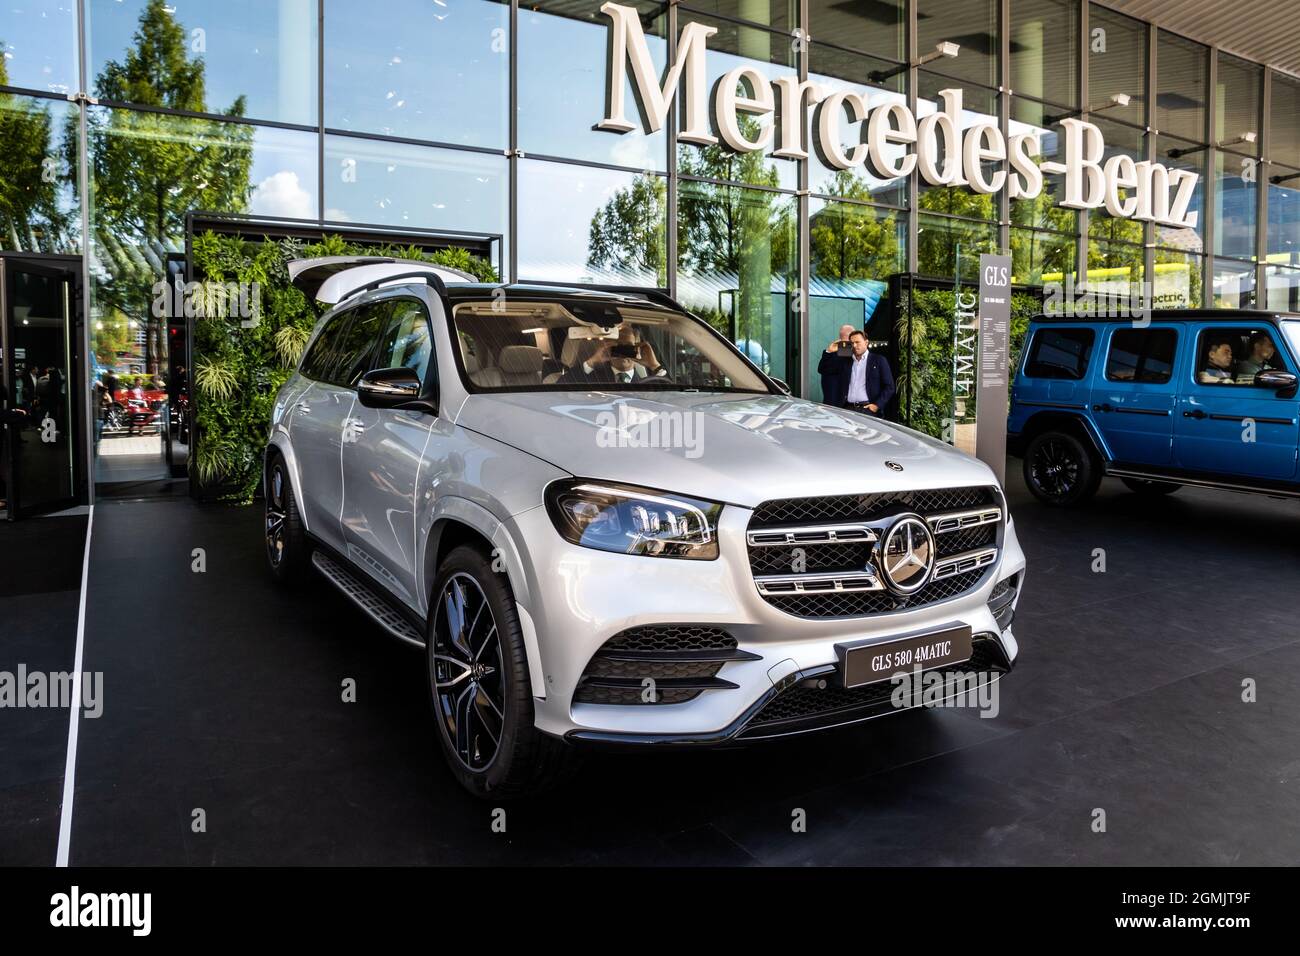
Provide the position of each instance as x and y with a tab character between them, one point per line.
1188	397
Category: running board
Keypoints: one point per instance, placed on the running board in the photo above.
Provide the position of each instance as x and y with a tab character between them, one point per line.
366	599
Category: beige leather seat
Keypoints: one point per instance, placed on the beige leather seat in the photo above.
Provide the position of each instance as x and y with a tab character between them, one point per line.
521	365
483	377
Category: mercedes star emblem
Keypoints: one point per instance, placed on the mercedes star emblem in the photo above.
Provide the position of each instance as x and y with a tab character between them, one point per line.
893	466
905	556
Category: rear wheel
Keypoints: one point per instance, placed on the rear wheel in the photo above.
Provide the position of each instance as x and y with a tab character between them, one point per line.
287	549
1146	486
1060	469
479	685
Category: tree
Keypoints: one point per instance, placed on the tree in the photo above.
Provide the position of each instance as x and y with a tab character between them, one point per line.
150	169
628	232
850	241
30	214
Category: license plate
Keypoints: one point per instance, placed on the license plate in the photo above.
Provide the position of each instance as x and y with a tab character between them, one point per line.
862	664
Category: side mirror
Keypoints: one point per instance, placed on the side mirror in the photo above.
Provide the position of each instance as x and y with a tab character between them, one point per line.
390	388
782	386
1282	381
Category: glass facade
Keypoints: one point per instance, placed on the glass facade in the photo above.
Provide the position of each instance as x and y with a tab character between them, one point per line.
480	117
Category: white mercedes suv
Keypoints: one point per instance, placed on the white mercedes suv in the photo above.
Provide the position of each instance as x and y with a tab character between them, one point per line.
604	525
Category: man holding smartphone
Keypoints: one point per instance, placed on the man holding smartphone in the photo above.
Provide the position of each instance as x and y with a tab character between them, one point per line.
622	362
862	380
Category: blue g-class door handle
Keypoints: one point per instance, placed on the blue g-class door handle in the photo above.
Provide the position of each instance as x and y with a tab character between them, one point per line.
1196	414
1103	407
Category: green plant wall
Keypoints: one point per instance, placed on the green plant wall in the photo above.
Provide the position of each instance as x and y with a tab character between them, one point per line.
924	332
241	362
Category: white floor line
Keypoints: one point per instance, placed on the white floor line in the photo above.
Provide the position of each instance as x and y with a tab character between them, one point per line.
70	768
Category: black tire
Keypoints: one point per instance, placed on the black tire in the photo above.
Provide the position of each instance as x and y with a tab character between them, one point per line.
1061	470
486	705
1154	489
288	550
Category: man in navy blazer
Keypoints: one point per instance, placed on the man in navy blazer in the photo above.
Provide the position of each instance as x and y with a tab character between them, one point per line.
861	381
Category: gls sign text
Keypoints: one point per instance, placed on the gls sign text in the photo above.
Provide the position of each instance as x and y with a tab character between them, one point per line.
890	142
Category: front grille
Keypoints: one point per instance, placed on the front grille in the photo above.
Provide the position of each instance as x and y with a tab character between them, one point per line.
682	661
811	588
806	708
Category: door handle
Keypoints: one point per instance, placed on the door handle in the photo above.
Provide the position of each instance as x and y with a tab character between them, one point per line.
1196	414
1103	407
354	424
303	408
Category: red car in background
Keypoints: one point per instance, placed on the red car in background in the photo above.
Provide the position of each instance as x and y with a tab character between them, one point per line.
135	411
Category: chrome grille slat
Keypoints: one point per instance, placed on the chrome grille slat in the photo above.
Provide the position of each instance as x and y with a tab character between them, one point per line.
831	540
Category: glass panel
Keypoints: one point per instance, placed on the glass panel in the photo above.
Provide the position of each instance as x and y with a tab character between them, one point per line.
1114	270
38	172
1182	75
1284	117
1045	50
1117	63
836	70
1234	356
738	268
1240	87
1234	284
406	342
1038	257
443	75
943	245
562	62
423	187
1125	140
237	57
780	15
773	56
358	344
148	170
585	224
1179	238
1236	204
1284	217
877	26
38	45
39	313
1142	355
973	24
1179	279
1284	296
855	249
978	105
1029	116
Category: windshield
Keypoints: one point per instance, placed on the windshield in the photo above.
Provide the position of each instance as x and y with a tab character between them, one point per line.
570	343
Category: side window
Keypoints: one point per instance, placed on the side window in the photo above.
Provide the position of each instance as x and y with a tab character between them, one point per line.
1059	353
1233	356
1142	355
406	342
324	351
358	344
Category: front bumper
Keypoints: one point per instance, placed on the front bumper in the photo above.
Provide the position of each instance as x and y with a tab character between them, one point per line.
575	599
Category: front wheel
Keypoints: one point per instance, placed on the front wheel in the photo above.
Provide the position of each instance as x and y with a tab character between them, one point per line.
1147	486
1060	470
287	549
479	686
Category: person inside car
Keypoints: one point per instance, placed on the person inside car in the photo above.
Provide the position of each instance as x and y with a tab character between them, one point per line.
1260	358
1218	363
627	360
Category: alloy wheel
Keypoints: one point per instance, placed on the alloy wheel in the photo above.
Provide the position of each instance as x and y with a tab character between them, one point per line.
1056	468
276	513
467	672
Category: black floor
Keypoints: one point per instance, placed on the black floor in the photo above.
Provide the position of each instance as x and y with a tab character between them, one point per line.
224	695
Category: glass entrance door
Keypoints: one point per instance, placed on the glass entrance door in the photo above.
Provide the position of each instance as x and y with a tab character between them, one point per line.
39	464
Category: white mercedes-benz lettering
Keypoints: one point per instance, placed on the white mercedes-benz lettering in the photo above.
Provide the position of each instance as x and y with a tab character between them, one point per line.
603	524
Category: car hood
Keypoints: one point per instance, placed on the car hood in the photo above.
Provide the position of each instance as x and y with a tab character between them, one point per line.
739	449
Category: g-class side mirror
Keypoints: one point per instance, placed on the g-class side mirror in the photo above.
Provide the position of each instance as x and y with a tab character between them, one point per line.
1283	381
392	388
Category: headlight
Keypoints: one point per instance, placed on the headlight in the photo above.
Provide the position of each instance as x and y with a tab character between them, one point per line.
634	520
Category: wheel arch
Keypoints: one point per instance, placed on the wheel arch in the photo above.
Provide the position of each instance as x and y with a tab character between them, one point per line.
1077	425
279	444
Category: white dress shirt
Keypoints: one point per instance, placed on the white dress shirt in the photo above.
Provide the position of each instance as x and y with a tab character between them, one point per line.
858	381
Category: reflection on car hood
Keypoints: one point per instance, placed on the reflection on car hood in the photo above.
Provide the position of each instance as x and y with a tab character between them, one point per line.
735	448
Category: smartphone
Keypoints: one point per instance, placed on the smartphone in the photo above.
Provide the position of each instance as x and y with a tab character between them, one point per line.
623	351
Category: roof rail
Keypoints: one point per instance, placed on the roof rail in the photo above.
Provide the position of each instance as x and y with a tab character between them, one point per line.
429	277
